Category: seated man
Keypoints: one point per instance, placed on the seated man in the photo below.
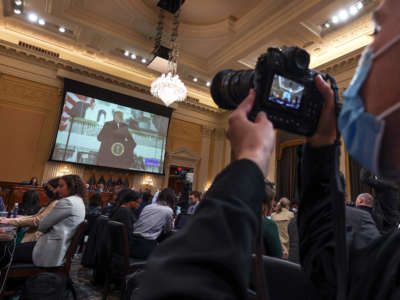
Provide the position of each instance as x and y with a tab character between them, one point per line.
365	202
154	220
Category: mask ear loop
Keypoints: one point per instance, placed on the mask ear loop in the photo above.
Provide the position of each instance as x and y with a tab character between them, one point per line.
386	47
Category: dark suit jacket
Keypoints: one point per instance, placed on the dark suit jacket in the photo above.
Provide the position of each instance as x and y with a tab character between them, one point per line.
108	136
360	227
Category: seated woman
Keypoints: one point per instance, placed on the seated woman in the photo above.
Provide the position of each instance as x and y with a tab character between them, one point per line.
154	220
58	226
32	221
94	205
30	203
124	212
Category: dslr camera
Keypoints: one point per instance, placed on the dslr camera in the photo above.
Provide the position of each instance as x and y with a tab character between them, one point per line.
285	90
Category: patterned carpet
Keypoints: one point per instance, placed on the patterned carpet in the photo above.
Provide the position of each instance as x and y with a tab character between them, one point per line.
81	277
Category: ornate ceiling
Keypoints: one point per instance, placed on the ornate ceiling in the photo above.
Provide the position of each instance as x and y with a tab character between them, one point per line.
213	34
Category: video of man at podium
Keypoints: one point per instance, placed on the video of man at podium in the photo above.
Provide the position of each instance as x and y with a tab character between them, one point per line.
96	132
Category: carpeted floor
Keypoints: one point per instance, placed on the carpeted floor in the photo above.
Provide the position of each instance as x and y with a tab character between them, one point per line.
85	290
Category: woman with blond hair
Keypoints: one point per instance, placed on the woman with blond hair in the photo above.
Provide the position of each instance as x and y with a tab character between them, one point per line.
282	218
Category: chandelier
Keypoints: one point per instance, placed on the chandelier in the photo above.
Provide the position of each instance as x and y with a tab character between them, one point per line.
168	87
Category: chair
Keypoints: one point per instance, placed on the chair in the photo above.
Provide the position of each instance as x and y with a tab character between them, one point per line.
25	270
181	220
285	280
120	263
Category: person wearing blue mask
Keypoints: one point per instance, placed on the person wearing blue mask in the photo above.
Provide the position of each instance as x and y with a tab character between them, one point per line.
369	122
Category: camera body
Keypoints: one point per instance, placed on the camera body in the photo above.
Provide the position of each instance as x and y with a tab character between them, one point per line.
285	90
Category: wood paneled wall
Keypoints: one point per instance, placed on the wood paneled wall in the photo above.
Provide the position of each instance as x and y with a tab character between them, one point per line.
28	120
28	114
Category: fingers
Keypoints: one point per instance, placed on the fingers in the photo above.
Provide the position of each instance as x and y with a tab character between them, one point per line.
261	118
324	89
247	104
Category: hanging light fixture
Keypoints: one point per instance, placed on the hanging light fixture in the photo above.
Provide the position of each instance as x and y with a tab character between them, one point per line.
168	87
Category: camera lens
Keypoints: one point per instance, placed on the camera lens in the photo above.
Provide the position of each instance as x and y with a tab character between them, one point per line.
229	87
301	59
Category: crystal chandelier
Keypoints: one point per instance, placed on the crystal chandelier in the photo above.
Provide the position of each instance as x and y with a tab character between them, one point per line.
168	87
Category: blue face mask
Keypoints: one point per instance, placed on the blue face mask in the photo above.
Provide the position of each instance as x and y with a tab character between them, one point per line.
363	132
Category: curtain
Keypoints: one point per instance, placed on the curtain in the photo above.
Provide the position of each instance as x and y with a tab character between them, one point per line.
288	171
356	187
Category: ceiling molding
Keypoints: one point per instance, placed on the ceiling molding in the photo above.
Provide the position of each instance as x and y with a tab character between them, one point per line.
256	36
64	68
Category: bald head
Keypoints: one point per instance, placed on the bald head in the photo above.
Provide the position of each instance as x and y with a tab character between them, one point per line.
365	200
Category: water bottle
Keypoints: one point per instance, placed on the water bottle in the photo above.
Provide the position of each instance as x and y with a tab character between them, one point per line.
15	210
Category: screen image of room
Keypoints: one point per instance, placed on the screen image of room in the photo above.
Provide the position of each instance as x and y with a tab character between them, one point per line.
101	133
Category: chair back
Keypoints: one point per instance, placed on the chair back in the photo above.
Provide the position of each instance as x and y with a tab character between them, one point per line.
72	247
181	220
281	274
119	242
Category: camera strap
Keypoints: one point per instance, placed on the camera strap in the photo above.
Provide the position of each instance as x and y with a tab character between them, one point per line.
339	209
261	284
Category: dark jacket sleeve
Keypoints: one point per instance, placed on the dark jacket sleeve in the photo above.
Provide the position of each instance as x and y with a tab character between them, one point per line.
316	219
210	258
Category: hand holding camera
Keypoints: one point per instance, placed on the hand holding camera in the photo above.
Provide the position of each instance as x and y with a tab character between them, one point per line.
254	141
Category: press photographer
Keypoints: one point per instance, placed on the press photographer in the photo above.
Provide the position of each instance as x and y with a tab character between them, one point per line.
213	252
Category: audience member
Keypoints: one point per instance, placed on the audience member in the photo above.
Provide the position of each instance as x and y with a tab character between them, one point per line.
146	200
154	220
386	205
194	200
58	226
32	233
282	218
2	205
272	243
100	188
30	203
115	198
34	181
124	212
94	207
366	202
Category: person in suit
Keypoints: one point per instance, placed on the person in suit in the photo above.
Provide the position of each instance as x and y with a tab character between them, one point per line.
58	226
194	200
360	227
117	144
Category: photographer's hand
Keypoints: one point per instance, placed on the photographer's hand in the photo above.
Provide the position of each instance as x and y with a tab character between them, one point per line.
254	141
326	131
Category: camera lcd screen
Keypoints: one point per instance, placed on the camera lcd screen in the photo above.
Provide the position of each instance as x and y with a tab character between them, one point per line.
286	92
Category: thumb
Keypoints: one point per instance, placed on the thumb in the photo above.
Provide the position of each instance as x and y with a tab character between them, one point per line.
261	118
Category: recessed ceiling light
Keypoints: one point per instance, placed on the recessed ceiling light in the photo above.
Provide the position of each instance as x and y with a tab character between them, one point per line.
42	22
335	19
126	53
353	10
343	15
360	5
208	83
327	25
18	2
61	29
17	11
133	56
32	17
144	60
195	79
